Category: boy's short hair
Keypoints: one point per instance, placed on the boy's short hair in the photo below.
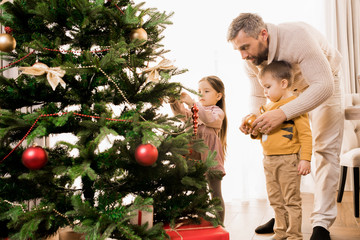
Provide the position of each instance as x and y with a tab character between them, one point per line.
279	70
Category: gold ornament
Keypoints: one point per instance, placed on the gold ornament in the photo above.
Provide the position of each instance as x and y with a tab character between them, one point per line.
139	34
53	74
249	120
7	42
154	75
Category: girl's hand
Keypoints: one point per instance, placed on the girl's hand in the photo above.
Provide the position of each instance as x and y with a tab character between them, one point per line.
172	100
304	167
185	98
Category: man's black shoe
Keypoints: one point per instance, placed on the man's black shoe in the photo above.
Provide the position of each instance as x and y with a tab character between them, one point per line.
267	227
320	233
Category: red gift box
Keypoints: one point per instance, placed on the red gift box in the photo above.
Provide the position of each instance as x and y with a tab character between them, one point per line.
203	231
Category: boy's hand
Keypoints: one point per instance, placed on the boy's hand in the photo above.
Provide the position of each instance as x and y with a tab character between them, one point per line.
304	167
254	134
246	124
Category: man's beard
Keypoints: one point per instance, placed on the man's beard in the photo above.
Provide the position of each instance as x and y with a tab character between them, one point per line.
263	55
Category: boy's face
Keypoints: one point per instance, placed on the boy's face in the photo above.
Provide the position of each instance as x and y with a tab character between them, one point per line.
274	89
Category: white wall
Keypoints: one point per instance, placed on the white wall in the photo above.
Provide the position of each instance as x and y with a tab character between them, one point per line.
197	40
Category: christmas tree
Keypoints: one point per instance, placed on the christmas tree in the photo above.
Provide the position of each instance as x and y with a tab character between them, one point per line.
95	70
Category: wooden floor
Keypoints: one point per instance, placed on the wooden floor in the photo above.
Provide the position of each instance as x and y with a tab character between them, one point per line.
242	218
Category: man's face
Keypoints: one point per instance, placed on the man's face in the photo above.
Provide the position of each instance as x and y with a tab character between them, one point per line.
255	50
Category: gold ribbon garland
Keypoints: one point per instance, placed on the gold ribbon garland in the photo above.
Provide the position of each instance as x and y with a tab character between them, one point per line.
54	75
154	75
43	208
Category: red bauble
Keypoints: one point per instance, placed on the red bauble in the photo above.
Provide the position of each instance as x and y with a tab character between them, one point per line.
146	154
34	158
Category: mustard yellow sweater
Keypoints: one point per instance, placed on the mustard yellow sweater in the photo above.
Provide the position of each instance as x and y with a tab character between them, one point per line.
292	136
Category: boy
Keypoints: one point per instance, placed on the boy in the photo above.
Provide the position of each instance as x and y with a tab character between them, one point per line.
287	152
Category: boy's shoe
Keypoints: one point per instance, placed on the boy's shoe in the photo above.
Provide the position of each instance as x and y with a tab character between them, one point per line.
320	233
266	228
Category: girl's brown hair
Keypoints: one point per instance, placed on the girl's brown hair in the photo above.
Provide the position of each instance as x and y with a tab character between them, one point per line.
218	86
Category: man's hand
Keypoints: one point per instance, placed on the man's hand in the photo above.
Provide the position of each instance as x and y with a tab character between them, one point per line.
304	167
268	121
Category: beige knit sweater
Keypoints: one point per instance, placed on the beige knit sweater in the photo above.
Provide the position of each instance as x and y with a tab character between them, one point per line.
314	61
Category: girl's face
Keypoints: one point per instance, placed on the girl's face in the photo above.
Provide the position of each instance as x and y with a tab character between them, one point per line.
209	96
274	89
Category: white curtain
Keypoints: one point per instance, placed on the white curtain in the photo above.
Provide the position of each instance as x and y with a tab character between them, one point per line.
343	30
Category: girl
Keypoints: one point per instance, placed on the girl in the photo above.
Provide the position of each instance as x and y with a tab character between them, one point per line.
212	125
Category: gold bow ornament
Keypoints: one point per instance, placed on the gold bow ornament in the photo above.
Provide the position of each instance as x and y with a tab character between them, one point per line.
54	75
4	1
154	75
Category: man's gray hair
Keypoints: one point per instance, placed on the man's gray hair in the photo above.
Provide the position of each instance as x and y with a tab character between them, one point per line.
250	23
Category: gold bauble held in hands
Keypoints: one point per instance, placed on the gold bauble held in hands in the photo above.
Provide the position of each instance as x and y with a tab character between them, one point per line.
7	42
249	120
140	34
